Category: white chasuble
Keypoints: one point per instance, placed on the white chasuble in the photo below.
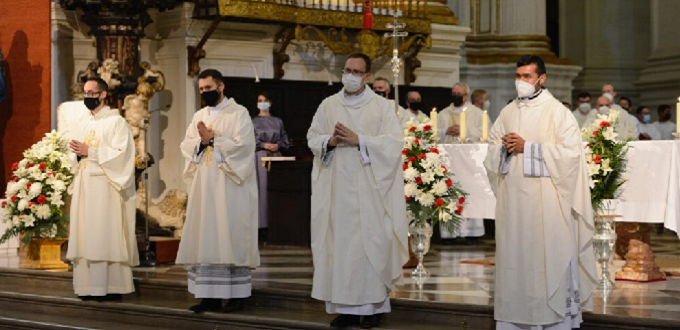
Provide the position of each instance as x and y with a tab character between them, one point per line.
359	225
102	224
222	220
535	215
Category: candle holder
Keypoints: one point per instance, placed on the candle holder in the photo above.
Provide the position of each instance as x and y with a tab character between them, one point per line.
677	136
483	140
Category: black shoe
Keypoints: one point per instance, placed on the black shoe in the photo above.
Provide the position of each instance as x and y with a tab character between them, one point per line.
108	298
86	298
471	240
234	305
344	320
207	305
448	241
371	321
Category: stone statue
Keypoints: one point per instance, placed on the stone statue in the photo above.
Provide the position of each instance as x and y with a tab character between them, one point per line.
136	109
169	213
77	88
109	73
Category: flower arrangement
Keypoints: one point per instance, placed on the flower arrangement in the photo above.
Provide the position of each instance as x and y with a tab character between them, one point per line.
35	194
606	158
431	194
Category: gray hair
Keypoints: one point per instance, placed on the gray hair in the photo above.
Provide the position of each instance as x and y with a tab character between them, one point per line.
467	88
408	95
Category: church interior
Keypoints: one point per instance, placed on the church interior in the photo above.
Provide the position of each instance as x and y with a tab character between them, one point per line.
150	53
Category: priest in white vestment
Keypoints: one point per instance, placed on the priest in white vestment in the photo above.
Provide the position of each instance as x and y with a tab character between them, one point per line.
647	131
414	112
584	110
545	266
102	244
359	225
219	241
382	87
627	127
665	126
449	124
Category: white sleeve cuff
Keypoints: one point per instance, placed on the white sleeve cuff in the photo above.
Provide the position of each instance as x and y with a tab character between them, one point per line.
363	151
534	164
326	156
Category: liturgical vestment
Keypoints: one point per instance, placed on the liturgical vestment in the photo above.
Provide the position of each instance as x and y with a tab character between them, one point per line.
219	241
545	267
359	226
102	243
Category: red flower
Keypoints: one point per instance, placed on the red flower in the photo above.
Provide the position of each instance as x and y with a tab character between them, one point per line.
50	174
32	204
28	186
30	165
427	128
597	159
15	166
417	141
445	169
449	182
412	129
43	166
595	133
434	150
461	200
408	198
419	180
405	166
421	156
459	209
42	199
4	204
14	198
16	179
404	152
439	202
605	124
412	159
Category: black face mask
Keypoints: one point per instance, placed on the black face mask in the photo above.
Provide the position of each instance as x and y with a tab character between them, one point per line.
383	94
415	106
210	98
457	100
92	102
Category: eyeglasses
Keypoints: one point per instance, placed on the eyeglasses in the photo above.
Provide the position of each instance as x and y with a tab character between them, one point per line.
91	94
355	73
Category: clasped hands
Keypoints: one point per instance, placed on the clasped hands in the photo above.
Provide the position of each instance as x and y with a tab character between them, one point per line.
273	147
206	133
513	143
453	130
343	134
79	148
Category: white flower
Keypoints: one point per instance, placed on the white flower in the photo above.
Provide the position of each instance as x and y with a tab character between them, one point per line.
439	171
420	127
22	205
433	158
592	183
16	220
29	220
56	199
36	189
410	174
605	166
23	163
410	189
9	224
44	212
610	134
13	188
445	216
427	177
613	115
440	188
425	199
593	168
58	185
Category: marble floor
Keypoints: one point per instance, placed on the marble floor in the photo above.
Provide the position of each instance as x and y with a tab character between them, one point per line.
460	274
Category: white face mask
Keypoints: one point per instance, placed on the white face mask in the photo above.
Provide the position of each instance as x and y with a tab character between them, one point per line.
609	96
351	82
487	105
646	118
263	106
584	107
604	110
525	89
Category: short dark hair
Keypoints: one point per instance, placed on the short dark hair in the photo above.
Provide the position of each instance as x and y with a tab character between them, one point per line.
102	86
212	73
477	95
266	96
364	57
639	109
663	108
532	59
382	79
583	95
627	99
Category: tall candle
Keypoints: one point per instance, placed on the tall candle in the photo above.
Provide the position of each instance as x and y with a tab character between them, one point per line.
433	121
463	133
485	126
677	117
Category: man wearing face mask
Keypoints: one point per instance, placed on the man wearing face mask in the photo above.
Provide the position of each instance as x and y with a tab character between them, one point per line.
665	126
545	266
415	108
381	87
609	92
584	110
480	99
626	127
448	120
645	128
359	225
626	104
219	242
102	245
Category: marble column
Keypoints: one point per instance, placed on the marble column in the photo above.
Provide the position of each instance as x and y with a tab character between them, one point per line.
502	31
